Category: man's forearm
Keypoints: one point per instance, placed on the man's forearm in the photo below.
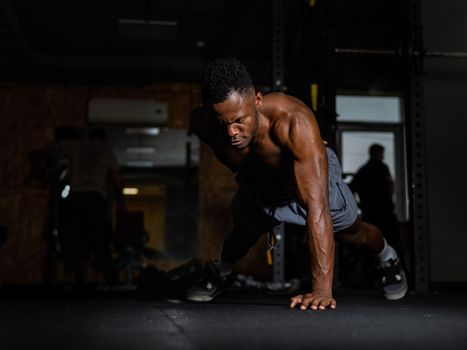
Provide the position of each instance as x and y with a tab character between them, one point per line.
321	245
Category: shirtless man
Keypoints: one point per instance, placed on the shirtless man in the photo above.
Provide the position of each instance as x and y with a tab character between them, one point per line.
285	174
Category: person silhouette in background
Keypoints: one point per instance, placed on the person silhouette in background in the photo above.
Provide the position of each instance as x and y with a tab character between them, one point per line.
375	188
94	170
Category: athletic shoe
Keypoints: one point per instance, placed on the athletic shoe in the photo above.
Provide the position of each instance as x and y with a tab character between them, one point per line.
209	285
394	282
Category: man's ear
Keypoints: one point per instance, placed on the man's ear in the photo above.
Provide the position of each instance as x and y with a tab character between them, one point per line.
259	99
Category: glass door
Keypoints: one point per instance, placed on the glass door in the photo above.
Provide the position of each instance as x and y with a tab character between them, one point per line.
366	120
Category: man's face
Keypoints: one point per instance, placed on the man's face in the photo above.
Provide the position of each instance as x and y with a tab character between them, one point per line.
238	117
379	155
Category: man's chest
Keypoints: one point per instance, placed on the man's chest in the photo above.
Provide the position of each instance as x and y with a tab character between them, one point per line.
268	155
261	156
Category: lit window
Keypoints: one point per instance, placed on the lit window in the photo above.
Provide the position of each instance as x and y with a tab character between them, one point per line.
369	109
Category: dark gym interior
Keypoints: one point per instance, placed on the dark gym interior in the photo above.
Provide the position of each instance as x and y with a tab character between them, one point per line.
372	71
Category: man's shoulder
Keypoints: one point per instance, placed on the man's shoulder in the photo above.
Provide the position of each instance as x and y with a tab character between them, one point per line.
281	101
285	108
375	168
287	112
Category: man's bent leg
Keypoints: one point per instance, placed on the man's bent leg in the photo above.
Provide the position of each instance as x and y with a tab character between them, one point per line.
363	235
250	222
368	236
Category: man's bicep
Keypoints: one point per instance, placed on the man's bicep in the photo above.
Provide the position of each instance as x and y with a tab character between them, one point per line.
305	143
311	182
310	160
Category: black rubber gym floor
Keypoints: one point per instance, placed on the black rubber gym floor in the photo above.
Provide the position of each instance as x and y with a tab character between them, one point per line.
106	320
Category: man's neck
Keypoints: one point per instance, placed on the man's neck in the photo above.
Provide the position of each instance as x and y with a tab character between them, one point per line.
262	130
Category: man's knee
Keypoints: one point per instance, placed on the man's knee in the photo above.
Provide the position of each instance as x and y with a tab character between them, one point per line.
363	234
356	234
357	238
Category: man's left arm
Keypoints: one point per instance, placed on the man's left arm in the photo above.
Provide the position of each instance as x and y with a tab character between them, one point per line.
301	136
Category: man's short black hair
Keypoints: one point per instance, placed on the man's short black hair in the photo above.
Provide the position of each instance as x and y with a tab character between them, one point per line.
375	149
222	76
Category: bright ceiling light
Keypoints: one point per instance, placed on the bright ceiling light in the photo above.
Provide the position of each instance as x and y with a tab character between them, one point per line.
143	131
130	191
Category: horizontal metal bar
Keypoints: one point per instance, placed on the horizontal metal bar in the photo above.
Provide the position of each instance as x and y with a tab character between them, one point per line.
445	54
389	52
384	52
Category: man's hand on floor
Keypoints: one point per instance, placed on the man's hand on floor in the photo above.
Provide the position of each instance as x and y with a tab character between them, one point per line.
316	300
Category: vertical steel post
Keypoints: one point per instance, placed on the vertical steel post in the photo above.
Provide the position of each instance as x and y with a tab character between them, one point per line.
278	45
416	147
278	261
278	85
327	94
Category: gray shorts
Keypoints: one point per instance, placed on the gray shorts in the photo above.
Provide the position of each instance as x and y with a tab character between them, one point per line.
251	215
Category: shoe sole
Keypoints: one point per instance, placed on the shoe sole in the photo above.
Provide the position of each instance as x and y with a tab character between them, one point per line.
399	295
201	299
206	298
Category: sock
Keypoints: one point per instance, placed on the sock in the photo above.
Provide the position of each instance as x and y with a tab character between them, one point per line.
387	253
225	268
